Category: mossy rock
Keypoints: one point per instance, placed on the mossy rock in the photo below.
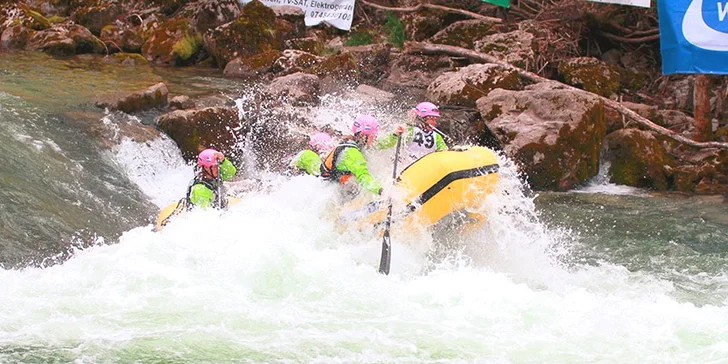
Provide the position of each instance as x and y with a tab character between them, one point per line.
35	20
253	32
463	33
591	75
575	150
173	42
201	127
310	45
339	66
262	61
95	17
464	87
187	46
638	159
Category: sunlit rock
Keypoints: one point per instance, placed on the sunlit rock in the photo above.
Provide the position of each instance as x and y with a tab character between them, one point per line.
465	86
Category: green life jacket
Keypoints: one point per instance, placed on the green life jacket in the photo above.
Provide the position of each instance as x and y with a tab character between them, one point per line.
218	190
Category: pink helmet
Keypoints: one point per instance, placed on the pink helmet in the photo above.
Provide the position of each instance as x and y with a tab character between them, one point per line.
366	125
424	109
321	141
207	158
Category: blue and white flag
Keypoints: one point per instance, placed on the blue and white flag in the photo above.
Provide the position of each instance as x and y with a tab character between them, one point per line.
693	36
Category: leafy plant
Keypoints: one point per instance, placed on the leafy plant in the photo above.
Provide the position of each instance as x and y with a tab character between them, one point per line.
395	29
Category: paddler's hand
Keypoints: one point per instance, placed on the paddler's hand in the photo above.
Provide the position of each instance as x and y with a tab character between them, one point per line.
219	157
400	130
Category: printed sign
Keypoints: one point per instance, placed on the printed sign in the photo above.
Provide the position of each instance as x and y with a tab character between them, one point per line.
338	13
693	36
642	3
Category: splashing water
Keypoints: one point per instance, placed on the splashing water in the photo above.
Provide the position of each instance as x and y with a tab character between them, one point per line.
274	280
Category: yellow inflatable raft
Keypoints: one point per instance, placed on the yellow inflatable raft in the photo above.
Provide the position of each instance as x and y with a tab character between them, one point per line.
433	187
178	208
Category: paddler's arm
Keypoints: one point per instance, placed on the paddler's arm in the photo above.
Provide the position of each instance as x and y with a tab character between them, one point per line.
440	142
308	161
227	170
353	161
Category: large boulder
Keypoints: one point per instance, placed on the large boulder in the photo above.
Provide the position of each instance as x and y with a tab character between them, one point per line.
214	127
298	89
554	133
174	42
515	47
65	39
465	86
256	30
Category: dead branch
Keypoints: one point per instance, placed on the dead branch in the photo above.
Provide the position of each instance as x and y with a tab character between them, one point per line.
436	7
428	48
630	40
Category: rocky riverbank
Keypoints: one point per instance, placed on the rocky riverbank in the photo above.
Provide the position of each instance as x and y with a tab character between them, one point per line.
559	87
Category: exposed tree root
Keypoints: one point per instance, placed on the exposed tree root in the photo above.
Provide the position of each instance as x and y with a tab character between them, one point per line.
436	7
429	48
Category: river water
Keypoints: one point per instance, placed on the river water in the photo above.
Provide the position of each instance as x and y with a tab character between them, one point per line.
606	274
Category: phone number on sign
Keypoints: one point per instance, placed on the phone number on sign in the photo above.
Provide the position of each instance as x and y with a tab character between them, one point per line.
329	15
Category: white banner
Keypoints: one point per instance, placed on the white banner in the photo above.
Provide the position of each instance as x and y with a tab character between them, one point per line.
338	13
642	3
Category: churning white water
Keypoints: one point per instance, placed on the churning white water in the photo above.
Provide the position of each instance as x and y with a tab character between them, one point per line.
274	280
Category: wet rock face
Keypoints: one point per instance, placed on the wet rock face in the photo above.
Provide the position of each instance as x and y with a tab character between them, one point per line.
213	127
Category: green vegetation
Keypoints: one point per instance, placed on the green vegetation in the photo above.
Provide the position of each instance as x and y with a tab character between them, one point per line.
395	28
359	38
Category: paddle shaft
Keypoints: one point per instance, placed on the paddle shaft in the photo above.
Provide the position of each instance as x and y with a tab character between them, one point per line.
386	258
438	131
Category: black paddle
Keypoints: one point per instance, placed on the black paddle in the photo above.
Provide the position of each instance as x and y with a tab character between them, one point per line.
386	259
447	138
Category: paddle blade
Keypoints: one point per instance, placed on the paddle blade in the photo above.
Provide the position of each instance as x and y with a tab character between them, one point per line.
386	259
